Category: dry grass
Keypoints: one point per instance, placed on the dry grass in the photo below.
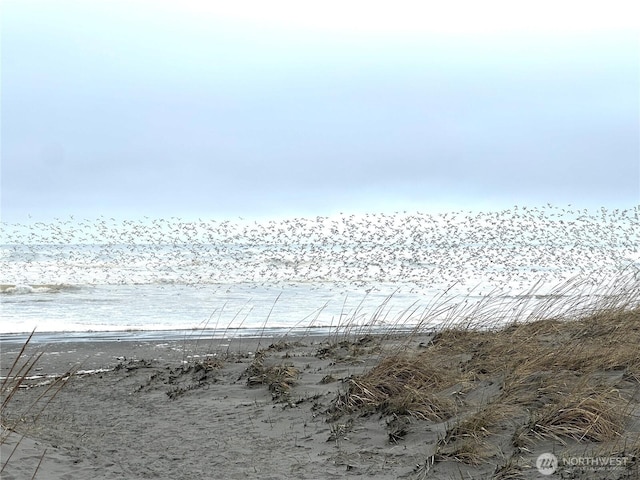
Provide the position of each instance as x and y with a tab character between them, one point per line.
18	378
349	350
587	414
479	424
278	378
185	378
405	385
470	451
566	380
18	374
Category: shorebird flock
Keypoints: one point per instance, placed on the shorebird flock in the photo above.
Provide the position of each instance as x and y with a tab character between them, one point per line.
513	248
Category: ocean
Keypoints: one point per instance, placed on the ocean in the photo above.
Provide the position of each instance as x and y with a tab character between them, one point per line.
243	277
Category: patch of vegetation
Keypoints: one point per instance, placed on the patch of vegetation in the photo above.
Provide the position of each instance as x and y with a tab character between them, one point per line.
278	378
20	377
503	390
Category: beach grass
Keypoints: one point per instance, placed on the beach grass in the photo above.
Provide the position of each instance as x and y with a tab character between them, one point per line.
560	376
21	376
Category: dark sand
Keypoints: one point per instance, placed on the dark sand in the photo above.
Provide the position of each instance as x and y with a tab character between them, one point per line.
177	409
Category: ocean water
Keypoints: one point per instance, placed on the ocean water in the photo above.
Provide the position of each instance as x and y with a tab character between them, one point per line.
241	277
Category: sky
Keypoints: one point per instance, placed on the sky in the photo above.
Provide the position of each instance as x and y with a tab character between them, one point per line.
287	108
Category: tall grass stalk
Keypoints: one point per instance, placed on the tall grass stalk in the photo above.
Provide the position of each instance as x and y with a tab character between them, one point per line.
16	379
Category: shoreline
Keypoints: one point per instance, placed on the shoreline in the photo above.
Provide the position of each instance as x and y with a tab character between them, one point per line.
228	333
157	335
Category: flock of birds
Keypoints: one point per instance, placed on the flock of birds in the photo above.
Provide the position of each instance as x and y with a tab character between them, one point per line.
514	248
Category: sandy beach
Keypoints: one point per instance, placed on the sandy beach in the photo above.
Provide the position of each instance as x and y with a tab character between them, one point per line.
303	407
153	416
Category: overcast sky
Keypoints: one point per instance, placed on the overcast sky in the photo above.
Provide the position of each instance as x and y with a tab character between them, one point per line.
278	108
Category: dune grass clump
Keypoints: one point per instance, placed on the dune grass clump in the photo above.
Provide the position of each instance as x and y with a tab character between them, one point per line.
471	451
478	424
465	440
404	385
278	378
602	341
190	376
585	415
349	350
